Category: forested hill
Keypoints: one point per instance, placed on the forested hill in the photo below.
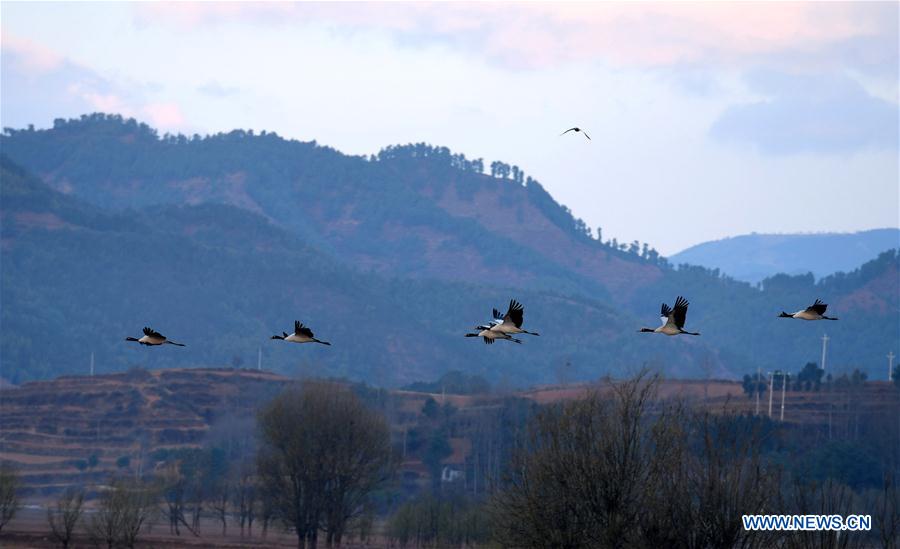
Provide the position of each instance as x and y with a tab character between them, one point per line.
77	279
225	239
413	210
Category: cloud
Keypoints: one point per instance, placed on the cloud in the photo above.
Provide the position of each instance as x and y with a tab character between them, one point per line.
215	89
164	115
540	34
819	113
30	57
37	81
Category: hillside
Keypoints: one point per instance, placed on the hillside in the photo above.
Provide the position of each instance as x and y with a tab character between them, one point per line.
413	211
222	280
392	258
79	429
754	257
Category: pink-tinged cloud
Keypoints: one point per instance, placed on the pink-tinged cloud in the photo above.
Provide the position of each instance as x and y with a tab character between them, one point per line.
535	34
101	102
36	64
167	116
32	58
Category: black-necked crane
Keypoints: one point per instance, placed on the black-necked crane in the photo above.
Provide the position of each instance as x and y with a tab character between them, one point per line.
576	129
490	335
152	337
511	322
816	311
302	334
673	319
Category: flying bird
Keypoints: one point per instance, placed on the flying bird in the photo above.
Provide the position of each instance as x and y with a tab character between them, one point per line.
672	319
302	334
489	335
816	311
511	322
152	337
576	130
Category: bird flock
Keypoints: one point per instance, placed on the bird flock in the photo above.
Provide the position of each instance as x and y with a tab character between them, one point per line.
509	324
506	326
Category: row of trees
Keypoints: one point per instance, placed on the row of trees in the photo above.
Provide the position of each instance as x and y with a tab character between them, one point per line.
632	471
124	509
810	378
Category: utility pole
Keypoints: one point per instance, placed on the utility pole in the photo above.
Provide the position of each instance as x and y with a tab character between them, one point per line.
771	383
783	387
92	363
825	339
890	357
259	358
756	388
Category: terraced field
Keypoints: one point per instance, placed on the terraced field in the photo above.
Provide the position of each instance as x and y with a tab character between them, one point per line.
78	430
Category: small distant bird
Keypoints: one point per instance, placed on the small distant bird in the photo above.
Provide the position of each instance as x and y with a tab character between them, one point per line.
816	311
672	319
576	130
511	322
301	334
490	335
152	337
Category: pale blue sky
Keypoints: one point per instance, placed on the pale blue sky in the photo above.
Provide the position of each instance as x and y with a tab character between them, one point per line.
707	120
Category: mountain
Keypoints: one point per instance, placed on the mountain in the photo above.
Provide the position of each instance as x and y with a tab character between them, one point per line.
220	241
753	257
77	279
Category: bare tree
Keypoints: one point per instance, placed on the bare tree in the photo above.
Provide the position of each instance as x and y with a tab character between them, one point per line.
64	517
579	478
220	497
629	470
323	453
821	498
244	494
174	488
9	493
125	508
886	513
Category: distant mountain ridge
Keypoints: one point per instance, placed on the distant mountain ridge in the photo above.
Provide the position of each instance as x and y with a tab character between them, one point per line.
754	257
220	241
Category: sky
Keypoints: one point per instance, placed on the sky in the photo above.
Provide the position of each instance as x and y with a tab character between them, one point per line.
707	120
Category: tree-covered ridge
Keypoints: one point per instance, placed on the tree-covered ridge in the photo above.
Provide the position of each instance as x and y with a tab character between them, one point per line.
129	151
415	234
222	280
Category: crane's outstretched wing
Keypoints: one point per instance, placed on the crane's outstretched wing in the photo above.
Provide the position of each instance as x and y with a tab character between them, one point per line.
515	313
148	331
665	311
818	307
679	313
301	330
